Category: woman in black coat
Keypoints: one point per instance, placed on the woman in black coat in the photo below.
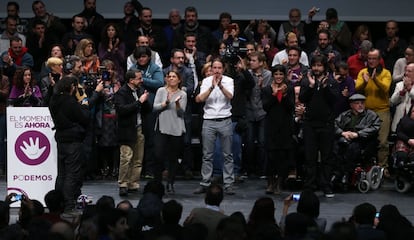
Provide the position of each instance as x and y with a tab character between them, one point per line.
278	102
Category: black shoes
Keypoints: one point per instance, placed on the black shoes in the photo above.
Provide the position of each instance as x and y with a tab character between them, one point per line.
228	190
123	191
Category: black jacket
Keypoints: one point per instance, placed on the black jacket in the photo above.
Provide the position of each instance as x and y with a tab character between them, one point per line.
319	101
368	123
279	119
405	129
70	118
127	109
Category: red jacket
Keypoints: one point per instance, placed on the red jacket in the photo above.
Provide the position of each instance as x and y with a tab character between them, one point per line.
356	64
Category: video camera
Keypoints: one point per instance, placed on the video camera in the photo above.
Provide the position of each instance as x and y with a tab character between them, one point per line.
90	80
233	51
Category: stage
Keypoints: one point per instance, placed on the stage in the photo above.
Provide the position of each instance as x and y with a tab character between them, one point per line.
333	209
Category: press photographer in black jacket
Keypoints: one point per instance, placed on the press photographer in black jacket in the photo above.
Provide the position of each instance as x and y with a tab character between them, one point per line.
71	120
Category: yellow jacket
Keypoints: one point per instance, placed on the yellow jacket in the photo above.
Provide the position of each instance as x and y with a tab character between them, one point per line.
376	91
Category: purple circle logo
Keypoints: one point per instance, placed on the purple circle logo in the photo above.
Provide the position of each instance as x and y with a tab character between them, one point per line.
32	147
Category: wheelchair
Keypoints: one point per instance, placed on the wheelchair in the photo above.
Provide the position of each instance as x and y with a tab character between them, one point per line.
366	174
403	165
367	178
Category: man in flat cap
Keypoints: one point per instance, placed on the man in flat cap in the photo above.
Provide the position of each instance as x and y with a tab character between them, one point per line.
356	132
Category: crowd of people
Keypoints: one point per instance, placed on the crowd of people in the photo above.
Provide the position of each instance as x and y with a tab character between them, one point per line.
155	218
280	104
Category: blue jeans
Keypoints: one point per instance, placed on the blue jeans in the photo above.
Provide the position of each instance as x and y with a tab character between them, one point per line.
237	154
255	148
210	132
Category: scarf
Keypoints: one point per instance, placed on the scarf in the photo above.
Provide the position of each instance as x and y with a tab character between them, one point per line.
191	29
18	58
325	51
279	96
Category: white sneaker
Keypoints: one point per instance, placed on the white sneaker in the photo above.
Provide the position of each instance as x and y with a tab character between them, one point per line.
329	194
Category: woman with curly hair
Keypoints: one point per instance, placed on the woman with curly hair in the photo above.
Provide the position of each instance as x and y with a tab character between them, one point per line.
25	92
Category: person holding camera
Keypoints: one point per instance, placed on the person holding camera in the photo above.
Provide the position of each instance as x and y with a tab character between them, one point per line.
308	205
71	120
356	131
112	48
106	122
260	31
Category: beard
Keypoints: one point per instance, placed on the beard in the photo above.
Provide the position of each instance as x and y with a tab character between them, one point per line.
360	110
294	24
317	74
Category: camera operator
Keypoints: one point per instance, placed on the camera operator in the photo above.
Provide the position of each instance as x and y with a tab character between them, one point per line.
260	31
234	46
71	120
87	92
73	67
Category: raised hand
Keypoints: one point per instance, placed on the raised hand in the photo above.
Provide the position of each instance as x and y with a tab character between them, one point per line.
177	99
311	80
345	92
144	96
32	149
365	76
